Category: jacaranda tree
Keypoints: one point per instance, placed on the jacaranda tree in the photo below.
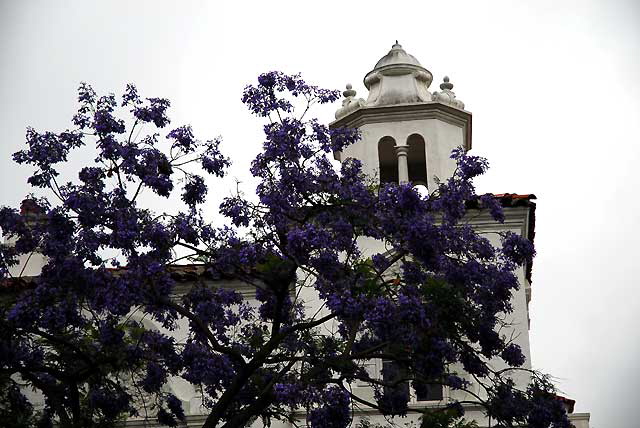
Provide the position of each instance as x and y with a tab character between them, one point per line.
434	301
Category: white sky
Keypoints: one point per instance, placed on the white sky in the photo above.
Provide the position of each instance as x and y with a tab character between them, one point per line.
553	87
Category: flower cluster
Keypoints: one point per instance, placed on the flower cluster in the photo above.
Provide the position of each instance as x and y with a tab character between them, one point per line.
267	98
334	411
430	298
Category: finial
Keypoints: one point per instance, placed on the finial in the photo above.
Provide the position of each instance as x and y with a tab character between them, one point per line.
447	96
349	92
396	45
446	85
349	103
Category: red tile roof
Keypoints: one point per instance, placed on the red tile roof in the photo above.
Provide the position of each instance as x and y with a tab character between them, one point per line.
568	402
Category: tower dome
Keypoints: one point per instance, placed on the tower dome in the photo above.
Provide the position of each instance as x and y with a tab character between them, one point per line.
398	78
407	133
397	55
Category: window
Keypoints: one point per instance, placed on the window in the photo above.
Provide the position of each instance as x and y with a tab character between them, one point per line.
429	392
370	367
392	372
388	161
417	160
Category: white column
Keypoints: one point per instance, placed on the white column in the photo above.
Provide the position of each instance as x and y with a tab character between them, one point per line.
403	164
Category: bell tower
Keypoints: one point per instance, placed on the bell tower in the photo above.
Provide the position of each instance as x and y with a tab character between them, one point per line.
407	131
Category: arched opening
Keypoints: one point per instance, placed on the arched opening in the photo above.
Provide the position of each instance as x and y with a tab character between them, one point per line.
388	161
417	160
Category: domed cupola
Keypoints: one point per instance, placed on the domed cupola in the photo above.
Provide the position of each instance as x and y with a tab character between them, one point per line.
398	78
407	133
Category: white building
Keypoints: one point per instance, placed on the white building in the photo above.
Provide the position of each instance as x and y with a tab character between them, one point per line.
408	133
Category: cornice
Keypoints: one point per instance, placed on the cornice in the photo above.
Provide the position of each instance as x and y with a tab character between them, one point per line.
248	291
405	112
513	217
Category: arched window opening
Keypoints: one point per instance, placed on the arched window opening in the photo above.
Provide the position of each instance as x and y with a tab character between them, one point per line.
388	161
417	160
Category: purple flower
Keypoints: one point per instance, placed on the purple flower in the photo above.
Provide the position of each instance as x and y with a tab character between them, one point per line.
184	138
155	111
512	355
333	412
469	166
110	334
431	300
155	377
517	249
195	191
213	161
493	205
130	96
165	418
175	406
109	402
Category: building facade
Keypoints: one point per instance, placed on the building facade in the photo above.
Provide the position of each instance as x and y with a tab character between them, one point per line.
408	133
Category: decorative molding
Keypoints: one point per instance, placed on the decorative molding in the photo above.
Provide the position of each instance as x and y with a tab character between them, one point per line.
407	112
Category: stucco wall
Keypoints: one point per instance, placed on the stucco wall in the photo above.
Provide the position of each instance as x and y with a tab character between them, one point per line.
440	139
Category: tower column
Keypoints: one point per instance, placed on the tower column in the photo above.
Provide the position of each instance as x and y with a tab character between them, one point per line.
403	164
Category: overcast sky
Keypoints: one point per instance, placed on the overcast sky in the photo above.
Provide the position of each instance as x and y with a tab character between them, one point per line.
553	87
